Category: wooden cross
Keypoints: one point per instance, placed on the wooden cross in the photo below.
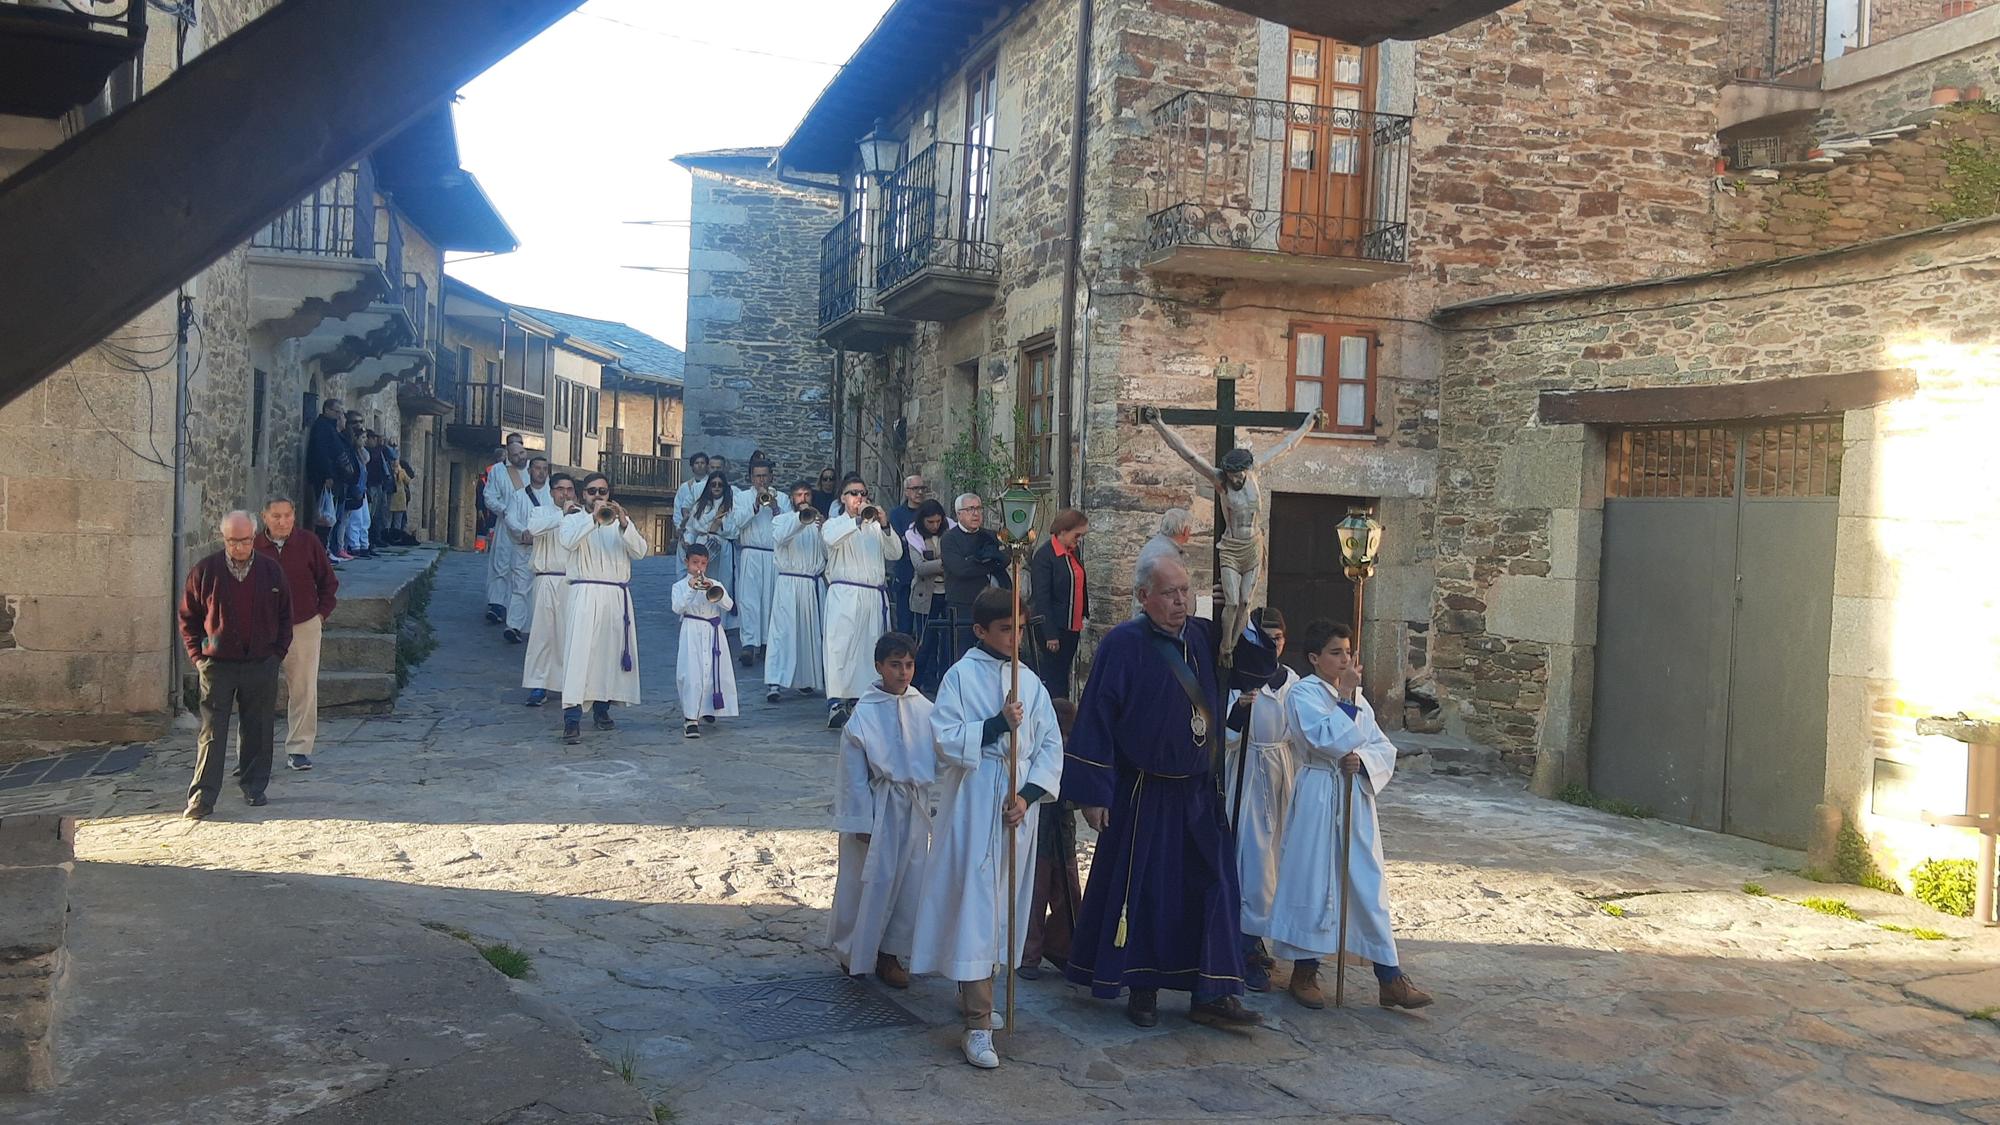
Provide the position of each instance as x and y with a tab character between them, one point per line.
1225	418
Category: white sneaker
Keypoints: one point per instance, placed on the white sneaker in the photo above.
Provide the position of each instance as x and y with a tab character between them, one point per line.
998	1020
979	1050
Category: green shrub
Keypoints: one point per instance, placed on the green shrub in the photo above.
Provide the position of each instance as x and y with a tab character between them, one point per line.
1831	907
1854	863
1756	889
1575	794
507	959
1945	885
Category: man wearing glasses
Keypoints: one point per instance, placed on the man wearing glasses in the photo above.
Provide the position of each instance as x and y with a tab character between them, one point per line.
905	572
236	624
600	638
973	560
858	551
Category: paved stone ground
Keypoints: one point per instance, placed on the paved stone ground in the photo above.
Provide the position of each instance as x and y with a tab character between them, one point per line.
639	870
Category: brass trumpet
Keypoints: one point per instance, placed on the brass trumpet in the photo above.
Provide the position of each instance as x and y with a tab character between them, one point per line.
713	588
808	513
870	513
605	514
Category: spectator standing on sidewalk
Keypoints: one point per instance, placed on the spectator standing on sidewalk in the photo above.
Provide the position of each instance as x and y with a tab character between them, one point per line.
324	463
310	582
236	624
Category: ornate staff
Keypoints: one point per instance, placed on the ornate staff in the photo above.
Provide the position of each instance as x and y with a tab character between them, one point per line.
1360	539
1017	520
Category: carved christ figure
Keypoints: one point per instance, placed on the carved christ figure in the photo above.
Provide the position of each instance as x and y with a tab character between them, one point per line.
1240	546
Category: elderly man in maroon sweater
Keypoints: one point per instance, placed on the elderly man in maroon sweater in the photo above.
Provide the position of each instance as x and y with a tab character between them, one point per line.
236	621
309	578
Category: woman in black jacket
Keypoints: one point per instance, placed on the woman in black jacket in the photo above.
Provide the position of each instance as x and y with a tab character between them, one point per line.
1061	597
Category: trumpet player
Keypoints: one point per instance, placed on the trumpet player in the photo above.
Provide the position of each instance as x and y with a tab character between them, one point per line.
859	545
703	675
542	667
757	510
600	639
793	658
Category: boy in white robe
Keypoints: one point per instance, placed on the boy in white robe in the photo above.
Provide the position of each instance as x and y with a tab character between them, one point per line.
504	477
1258	812
521	566
857	596
541	668
684	498
756	562
706	680
794	657
962	922
1339	744
600	633
882	809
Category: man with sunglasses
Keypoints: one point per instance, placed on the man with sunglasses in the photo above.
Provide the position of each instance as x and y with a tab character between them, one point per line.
600	637
857	596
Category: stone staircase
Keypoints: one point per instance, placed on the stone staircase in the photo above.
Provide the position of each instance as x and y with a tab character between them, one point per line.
357	662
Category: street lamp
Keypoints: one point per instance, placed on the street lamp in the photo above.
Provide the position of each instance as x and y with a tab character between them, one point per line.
879	151
1360	541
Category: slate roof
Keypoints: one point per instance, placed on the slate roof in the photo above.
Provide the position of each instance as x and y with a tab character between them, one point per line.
645	356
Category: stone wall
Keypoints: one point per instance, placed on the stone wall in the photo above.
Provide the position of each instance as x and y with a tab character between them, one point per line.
1888	19
1948	168
1916	628
756	376
1894	83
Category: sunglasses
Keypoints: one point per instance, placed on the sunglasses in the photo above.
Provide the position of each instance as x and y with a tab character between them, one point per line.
855	492
597	492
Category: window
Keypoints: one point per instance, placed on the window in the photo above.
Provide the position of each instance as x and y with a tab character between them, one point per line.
982	97
1038	407
258	388
464	372
591	419
1332	368
562	404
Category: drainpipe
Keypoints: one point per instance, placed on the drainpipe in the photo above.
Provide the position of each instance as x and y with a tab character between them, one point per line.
1072	257
183	317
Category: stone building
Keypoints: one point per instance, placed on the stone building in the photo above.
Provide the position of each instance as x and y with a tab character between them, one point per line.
756	377
118	469
1237	189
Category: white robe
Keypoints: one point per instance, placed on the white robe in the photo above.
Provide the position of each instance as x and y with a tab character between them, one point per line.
713	528
521	566
756	564
684	498
500	488
962	922
599	629
1305	912
793	657
703	667
542	665
857	599
1267	794
882	785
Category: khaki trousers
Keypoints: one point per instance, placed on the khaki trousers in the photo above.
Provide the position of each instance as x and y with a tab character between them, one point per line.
302	687
975	998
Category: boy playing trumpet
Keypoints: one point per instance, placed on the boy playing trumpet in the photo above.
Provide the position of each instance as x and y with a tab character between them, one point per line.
706	680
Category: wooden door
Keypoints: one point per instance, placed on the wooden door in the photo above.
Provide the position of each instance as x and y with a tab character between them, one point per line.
1330	86
1306	580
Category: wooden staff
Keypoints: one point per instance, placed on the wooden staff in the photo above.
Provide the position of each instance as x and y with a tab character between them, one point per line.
1242	758
1013	787
1346	844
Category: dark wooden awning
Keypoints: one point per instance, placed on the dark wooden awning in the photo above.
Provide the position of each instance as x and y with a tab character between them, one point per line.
1795	397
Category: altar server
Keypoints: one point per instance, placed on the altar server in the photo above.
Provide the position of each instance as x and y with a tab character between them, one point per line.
703	673
541	669
601	643
757	509
1258	812
859	545
794	657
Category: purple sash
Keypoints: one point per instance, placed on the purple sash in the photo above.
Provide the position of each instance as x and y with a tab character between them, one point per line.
880	590
625	658
715	660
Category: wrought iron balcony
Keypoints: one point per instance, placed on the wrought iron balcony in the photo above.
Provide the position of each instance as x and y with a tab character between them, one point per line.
1266	190
938	259
850	318
640	473
337	221
483	412
1775	42
58	54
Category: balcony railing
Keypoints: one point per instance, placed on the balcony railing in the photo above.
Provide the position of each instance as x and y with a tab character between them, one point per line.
1780	42
640	471
416	297
491	404
937	214
336	221
1280	177
846	270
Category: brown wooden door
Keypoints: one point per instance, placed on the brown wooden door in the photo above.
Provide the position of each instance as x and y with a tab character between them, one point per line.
1331	91
1306	578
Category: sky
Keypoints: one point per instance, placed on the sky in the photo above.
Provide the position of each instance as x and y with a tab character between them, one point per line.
573	137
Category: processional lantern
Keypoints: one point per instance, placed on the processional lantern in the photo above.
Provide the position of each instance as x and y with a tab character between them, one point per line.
1360	541
1019	508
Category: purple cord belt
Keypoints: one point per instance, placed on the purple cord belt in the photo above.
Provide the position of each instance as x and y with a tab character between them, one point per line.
715	661
754	547
625	657
552	574
880	590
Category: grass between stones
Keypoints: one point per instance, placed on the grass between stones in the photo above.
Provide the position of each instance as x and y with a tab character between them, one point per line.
1831	907
664	1113
1918	932
1612	908
628	1063
510	961
1575	794
1990	1014
1756	889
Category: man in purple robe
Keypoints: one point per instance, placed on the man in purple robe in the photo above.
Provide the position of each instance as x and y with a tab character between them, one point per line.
1162	909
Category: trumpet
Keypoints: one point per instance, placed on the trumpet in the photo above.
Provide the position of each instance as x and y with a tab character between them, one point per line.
605	514
765	496
870	513
808	513
713	588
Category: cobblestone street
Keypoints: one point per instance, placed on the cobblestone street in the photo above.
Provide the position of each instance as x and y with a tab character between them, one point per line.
1586	967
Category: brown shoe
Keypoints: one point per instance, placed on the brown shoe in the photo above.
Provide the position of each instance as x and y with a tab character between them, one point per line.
1305	988
890	971
1223	1011
1404	993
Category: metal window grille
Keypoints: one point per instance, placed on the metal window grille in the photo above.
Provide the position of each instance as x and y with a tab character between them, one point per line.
1794	459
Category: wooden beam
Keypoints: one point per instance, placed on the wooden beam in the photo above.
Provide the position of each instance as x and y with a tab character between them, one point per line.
1724	402
1365	22
101	228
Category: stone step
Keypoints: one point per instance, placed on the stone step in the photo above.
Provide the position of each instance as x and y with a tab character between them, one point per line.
357	650
357	693
35	855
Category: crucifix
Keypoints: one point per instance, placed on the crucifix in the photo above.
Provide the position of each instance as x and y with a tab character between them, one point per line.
1239	550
